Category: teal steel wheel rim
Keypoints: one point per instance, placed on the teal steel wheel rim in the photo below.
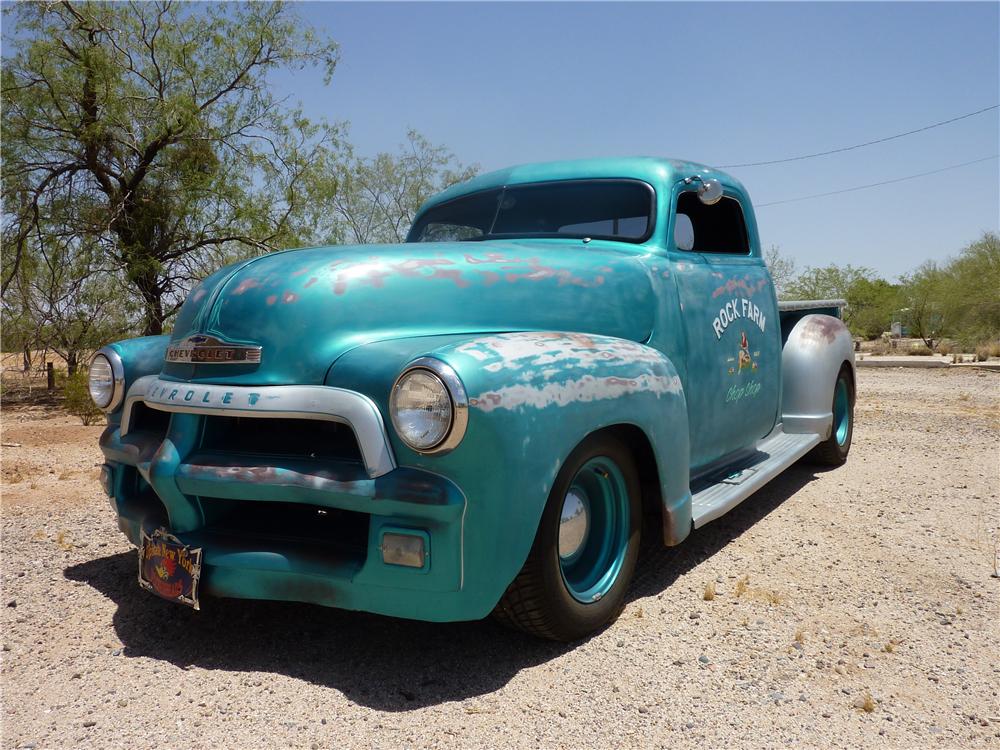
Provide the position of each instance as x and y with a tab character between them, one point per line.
591	565
841	412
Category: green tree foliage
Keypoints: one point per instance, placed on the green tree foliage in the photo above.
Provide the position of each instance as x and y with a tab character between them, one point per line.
872	303
959	298
975	299
146	132
378	197
871	300
782	270
829	282
927	313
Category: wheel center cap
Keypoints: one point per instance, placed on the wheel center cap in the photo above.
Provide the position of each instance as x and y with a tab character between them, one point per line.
574	522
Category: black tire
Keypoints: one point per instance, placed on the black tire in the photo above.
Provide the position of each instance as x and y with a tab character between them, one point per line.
833	451
538	601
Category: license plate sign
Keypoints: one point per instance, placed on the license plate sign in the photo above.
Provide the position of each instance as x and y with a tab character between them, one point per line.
169	568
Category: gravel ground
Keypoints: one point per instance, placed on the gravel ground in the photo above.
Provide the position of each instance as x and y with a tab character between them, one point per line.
852	608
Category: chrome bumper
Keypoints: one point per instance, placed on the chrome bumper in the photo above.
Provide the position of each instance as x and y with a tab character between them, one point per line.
322	402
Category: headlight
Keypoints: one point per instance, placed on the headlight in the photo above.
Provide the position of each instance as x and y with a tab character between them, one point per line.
429	407
107	379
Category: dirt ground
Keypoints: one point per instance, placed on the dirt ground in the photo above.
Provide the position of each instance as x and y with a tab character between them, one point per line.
853	608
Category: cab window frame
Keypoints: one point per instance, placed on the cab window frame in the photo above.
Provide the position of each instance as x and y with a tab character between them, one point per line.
651	216
672	228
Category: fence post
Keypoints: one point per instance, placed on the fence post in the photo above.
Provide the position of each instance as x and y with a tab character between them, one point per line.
50	372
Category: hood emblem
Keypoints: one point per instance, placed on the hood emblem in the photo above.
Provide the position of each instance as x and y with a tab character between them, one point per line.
208	350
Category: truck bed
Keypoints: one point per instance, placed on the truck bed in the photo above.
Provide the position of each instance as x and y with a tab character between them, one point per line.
791	312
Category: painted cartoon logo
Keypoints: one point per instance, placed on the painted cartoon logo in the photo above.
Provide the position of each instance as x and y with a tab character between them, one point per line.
743	360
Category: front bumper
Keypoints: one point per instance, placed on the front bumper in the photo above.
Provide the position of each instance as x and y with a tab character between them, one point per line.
287	527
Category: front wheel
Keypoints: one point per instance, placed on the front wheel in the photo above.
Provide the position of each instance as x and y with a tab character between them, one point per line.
833	451
580	565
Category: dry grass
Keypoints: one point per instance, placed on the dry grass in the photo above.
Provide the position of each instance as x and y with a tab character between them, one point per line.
709	593
742	585
867	703
771	597
800	636
987	350
766	595
919	351
64	545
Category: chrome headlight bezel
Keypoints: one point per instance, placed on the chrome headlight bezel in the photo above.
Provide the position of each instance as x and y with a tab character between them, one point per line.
118	378
455	389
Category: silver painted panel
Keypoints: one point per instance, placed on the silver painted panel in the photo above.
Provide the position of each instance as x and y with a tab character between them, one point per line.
816	349
779	451
809	304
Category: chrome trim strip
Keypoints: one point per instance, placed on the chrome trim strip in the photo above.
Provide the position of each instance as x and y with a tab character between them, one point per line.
459	402
321	402
118	371
809	304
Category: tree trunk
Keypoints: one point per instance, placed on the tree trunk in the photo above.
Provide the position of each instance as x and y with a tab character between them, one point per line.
26	357
72	362
152	303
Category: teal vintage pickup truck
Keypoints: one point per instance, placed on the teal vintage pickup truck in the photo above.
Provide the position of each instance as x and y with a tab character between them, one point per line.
480	420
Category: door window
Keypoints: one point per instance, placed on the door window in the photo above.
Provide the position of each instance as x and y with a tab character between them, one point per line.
719	228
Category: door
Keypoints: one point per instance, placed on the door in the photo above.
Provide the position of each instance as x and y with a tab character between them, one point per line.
730	319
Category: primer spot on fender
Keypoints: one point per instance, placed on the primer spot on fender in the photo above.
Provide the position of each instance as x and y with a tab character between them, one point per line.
516	351
585	389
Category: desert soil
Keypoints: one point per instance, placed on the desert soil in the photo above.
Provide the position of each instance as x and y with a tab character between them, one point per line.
864	587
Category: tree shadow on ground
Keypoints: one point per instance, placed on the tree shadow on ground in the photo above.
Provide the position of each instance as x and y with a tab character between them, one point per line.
380	662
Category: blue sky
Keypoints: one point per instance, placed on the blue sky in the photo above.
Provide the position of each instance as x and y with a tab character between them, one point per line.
718	83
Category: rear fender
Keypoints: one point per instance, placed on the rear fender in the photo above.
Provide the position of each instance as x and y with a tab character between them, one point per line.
817	347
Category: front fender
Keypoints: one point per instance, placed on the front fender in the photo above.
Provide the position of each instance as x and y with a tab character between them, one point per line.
532	398
140	356
816	349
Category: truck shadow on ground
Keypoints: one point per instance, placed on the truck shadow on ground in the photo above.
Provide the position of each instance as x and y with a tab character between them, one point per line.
380	662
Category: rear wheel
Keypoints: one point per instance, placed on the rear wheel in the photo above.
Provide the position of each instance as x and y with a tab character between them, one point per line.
833	451
576	575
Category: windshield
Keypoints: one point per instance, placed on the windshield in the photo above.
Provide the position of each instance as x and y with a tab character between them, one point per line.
599	209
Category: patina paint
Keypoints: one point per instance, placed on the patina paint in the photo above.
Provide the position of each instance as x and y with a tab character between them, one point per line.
345	296
552	339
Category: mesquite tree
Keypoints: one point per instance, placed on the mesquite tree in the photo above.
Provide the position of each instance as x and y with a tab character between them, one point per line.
146	132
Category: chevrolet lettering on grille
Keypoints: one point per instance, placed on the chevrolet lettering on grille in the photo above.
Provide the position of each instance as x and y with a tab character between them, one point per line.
208	350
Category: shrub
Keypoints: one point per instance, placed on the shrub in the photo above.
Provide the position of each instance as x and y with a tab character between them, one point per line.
944	347
919	351
77	399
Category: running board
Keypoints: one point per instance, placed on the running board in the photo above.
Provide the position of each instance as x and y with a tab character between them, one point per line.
723	490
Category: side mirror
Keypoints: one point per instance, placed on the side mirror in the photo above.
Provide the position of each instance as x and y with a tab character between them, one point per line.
710	192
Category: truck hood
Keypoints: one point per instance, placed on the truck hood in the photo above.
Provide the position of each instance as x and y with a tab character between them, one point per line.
307	307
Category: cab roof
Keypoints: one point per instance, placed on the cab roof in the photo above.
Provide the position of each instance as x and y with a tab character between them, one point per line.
661	173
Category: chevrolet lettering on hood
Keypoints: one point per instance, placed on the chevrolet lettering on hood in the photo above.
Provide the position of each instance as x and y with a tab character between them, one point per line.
208	350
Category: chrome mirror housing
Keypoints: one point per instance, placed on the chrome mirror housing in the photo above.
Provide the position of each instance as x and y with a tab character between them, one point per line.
710	192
